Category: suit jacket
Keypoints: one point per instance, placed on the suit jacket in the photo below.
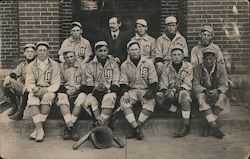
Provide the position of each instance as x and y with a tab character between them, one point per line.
118	47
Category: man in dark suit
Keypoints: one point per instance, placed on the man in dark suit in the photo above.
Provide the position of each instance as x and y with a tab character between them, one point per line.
117	40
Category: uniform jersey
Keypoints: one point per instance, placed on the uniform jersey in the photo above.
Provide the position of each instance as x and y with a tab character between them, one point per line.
73	76
197	55
171	79
107	75
81	47
49	77
139	77
147	45
164	46
216	79
20	71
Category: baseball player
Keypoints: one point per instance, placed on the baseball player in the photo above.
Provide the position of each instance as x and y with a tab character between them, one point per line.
14	84
210	85
175	86
147	43
166	42
73	77
42	81
138	82
102	77
206	36
77	43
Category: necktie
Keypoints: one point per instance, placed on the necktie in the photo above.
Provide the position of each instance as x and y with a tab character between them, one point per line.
114	36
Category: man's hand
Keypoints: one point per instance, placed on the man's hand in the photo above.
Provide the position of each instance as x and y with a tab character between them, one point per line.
71	92
169	94
117	60
41	92
126	97
35	89
213	92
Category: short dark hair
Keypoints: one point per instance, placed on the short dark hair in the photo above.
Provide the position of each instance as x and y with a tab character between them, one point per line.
117	17
205	54
99	46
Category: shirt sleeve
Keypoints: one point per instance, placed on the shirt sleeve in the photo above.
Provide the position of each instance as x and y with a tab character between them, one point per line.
187	82
124	75
194	57
152	73
116	76
88	51
164	81
30	81
158	48
223	79
90	81
19	69
198	88
56	78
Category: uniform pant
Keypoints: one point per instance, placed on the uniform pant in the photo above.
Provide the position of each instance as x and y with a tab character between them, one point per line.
137	95
47	99
108	101
205	101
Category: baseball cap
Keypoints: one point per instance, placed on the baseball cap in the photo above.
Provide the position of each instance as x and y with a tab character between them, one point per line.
42	43
207	28
177	47
67	50
142	22
76	24
101	43
130	43
170	19
29	45
209	50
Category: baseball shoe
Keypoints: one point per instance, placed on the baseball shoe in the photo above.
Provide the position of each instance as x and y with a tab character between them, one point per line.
205	132
182	131
216	132
66	133
138	133
40	135
74	133
130	132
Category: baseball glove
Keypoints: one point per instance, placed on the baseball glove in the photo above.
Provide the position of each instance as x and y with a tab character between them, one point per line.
99	91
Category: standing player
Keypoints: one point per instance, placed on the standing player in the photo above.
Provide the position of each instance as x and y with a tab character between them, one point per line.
138	82
73	81
42	81
147	43
166	42
206	36
77	43
14	84
102	77
175	87
210	85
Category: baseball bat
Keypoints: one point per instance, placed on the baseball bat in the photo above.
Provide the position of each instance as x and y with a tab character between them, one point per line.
85	137
82	140
118	141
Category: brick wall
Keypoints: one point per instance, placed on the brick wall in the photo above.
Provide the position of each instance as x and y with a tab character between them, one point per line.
39	20
65	17
230	20
9	53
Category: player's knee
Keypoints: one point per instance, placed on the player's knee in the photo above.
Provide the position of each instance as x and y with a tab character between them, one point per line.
32	100
48	98
62	99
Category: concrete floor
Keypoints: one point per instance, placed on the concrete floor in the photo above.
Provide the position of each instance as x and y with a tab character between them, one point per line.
193	146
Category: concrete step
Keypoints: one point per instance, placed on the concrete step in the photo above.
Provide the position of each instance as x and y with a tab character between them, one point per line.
237	120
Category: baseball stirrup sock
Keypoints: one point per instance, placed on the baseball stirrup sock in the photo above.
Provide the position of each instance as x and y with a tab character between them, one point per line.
73	118
142	117
104	116
43	117
185	114
67	118
37	118
210	118
173	108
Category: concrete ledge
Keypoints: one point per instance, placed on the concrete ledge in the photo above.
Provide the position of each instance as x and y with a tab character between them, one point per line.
237	120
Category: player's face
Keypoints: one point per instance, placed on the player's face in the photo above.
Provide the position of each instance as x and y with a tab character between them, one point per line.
134	51
29	53
141	29
76	32
209	60
114	25
70	58
206	38
102	52
177	56
42	52
171	28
